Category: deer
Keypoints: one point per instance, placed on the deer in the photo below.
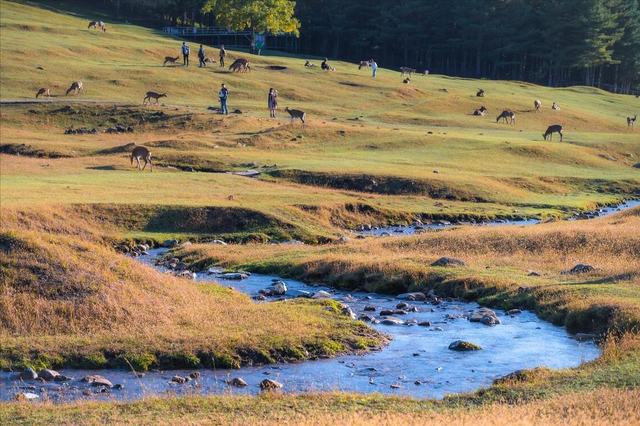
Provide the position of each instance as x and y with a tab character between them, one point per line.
209	61
537	104
140	152
480	111
506	114
171	60
92	24
45	91
309	64
480	93
76	87
406	70
630	121
153	95
425	72
407	80
555	107
296	113
556	128
102	26
364	64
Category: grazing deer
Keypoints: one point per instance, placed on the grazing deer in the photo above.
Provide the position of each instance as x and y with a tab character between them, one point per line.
45	91
506	115
76	87
102	26
406	70
630	121
537	104
480	111
140	152
171	60
296	113
556	128
425	72
555	107
92	24
153	95
364	64
480	93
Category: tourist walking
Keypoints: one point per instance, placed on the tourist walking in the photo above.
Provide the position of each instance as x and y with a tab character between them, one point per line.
223	53
273	102
185	54
201	56
223	95
374	67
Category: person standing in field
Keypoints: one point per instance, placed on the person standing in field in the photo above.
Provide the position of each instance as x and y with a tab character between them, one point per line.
185	54
223	53
374	67
223	95
273	102
201	56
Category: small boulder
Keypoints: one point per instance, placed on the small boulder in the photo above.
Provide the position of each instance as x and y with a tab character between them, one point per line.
424	324
321	295
279	288
48	375
580	269
346	310
402	305
370	308
463	346
414	297
386	312
97	380
490	320
585	336
448	261
391	321
28	374
178	379
269	385
237	382
170	243
513	311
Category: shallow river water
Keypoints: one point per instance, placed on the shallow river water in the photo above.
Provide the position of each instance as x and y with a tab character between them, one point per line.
416	363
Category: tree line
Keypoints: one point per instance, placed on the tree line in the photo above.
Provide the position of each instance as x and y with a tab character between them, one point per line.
552	42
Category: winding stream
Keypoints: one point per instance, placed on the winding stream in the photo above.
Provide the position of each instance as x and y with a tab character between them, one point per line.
416	363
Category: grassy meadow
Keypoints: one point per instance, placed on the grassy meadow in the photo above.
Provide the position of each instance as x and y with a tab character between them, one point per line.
373	151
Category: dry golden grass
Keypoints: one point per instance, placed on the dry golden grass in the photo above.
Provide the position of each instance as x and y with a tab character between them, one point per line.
67	298
604	406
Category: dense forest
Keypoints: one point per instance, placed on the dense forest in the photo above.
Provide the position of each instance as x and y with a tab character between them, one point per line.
552	42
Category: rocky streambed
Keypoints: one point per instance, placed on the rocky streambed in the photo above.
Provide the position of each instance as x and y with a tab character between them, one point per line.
439	346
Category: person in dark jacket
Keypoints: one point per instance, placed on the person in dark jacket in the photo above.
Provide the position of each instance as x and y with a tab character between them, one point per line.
185	54
223	95
201	56
223	53
273	102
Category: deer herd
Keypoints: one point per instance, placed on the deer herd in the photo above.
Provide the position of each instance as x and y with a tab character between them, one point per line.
242	65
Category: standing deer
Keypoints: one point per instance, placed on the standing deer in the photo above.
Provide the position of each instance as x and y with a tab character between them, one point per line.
537	104
92	24
102	26
140	152
45	91
76	87
364	64
556	128
153	95
630	121
480	111
171	60
296	113
480	93
406	70
506	114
